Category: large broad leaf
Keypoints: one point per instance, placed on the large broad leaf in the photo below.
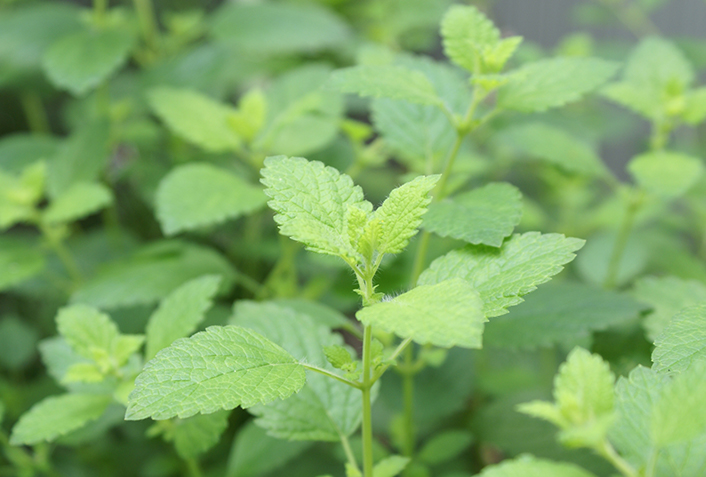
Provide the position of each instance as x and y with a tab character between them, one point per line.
387	81
78	201
502	276
56	416
81	61
562	313
683	342
325	409
199	195
528	466
180	313
666	174
151	274
446	314
311	201
482	216
20	260
550	83
274	28
195	117
220	368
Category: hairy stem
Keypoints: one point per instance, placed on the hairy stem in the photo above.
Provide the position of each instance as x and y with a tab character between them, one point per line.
335	376
367	407
616	256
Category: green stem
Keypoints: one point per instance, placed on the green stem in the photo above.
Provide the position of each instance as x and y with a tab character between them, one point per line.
99	9
661	129
34	112
609	453
332	375
634	204
349	452
148	23
192	466
367	407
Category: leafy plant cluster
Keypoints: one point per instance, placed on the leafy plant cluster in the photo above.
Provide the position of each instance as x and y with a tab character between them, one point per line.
193	283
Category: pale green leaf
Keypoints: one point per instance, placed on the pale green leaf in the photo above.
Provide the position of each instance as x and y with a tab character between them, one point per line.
656	61
87	330
56	416
695	107
683	342
20	260
385	81
250	117
666	174
180	313
466	34
311	201
338	356
151	274
325	409
445	446
679	414
551	83
390	466
502	276
19	195
553	145
81	61
220	368
78	201
195	117
400	214
639	98
527	466
485	215
197	434
667	296
199	195
445	314
562	313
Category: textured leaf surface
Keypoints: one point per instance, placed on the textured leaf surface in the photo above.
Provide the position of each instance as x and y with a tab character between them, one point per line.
553	145
385	81
56	416
530	467
325	409
482	216
151	274
81	61
220	368
445	314
180	313
561	313
550	83
199	195
195	117
502	276
683	342
311	201
666	174
19	261
466	33
78	201
679	413
86	329
197	434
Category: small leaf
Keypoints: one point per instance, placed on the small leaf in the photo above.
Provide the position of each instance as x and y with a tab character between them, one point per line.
180	313
87	330
446	314
199	195
250	117
527	466
197	434
385	81
338	356
56	416
466	34
195	117
445	446
551	83
683	342
81	61
390	466
502	276
481	216
220	368
80	200
666	174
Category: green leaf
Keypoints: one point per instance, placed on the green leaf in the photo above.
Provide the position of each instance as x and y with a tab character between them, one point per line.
151	274
56	416
679	414
527	466
195	117
199	195
81	61
250	117
78	201
390	466
667	296
398	218
320	313
553	145
695	107
502	276
446	314
555	82
19	195
20	260
562	313
197	434
19	150
180	313
485	215
683	342
338	356
584	400
267	28
325	409
445	446
666	174
467	34
311	201
385	81
87	330
220	368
